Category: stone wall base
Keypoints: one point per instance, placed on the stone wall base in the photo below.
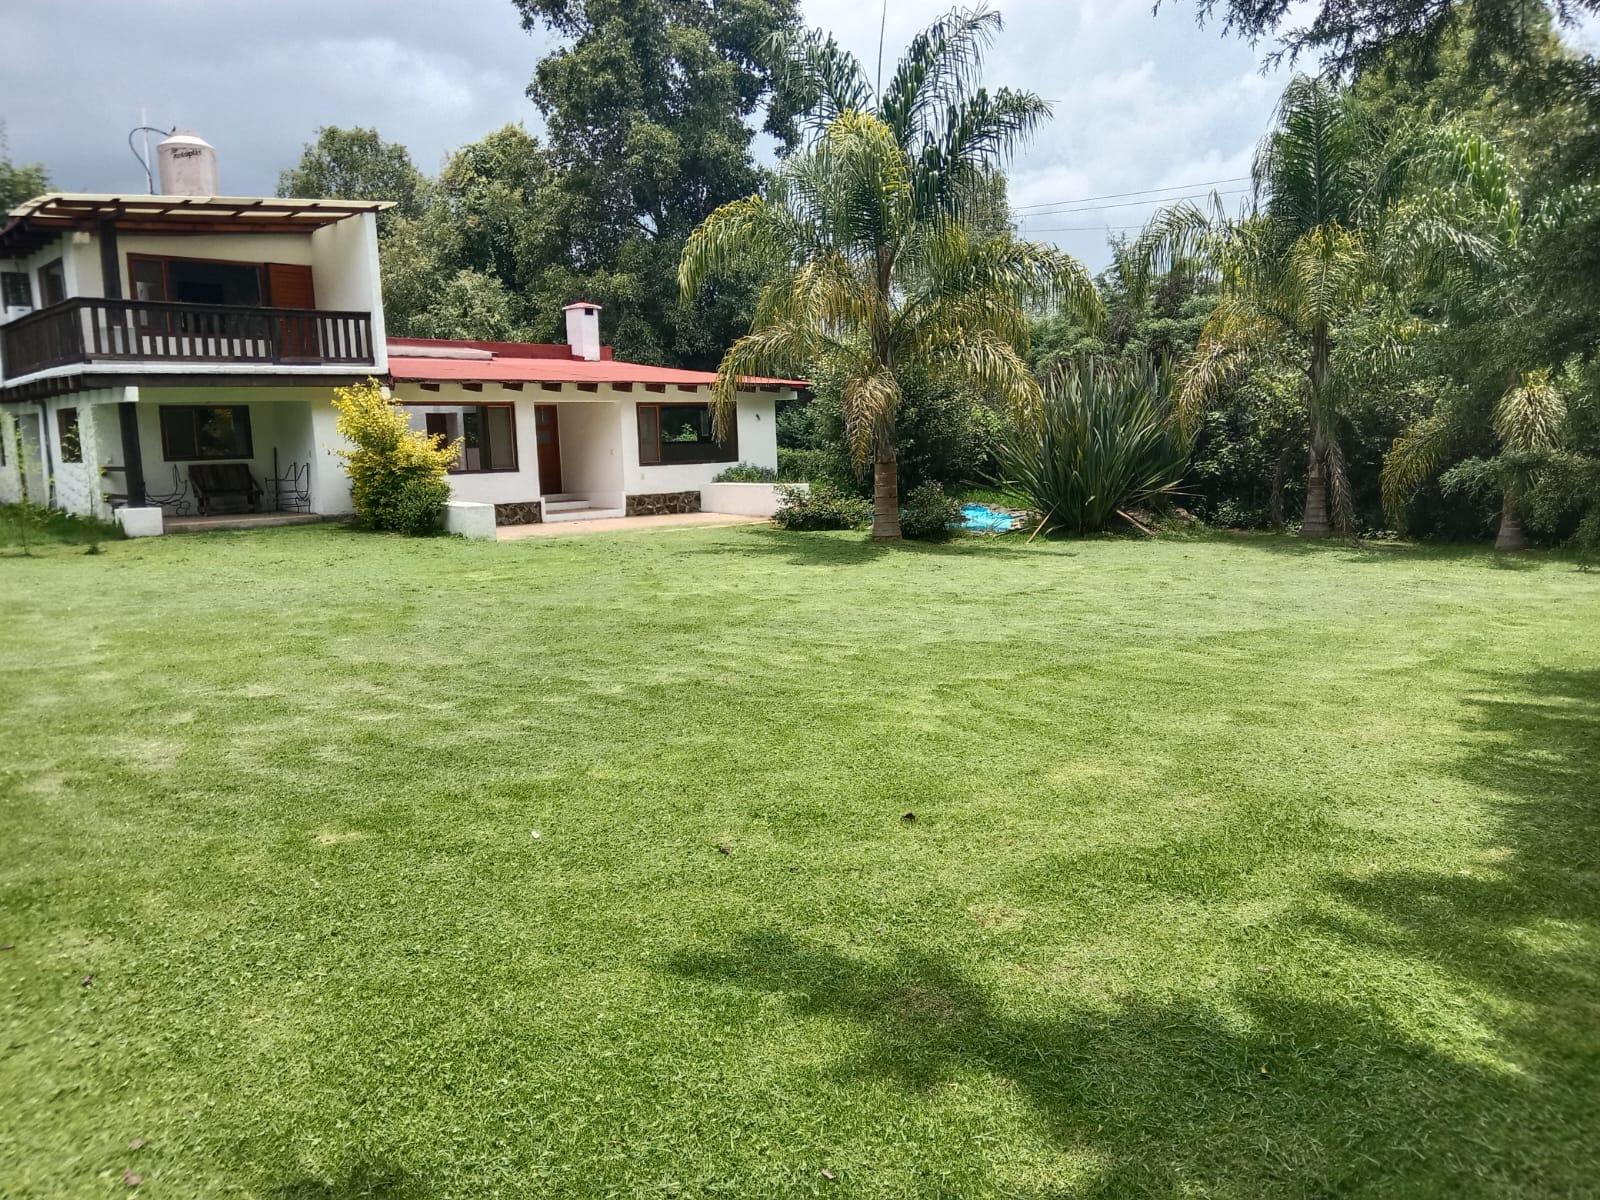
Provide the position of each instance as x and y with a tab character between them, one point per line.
661	504
518	512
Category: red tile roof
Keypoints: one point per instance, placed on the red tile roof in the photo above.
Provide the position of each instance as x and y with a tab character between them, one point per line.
533	362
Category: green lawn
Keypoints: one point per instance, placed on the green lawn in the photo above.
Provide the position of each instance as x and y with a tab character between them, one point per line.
1238	868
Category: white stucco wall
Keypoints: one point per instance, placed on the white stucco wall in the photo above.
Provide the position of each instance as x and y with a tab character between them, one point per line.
10	462
344	272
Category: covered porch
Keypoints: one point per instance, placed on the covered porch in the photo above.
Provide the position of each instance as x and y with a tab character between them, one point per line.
201	455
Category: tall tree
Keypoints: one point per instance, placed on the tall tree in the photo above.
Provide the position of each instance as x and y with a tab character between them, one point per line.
18	181
357	164
1348	36
1348	231
648	109
874	246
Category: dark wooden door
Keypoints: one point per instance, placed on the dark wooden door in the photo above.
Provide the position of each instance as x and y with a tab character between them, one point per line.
289	286
547	431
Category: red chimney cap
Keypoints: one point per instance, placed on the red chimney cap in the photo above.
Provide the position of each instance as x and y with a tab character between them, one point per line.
581	304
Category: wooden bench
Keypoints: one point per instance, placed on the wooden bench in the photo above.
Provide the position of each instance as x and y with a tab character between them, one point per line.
228	482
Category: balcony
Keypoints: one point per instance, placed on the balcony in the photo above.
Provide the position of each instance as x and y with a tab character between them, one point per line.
161	333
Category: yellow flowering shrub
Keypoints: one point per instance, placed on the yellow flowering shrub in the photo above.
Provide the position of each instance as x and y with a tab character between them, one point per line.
397	474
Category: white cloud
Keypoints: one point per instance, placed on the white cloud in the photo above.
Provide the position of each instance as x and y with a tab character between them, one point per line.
1142	100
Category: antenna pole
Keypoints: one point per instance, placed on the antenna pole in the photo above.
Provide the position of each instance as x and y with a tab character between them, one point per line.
883	23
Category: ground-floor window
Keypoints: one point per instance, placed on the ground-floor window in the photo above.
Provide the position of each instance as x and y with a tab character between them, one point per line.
681	433
67	434
487	433
197	432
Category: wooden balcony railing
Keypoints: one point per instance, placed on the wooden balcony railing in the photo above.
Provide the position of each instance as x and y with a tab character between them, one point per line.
89	330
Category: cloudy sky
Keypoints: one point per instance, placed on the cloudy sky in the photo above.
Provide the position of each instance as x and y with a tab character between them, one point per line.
1142	101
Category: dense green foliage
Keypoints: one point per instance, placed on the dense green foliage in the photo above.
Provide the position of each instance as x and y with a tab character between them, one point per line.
928	514
18	181
1237	868
1352	230
821	504
357	164
645	113
878	248
1103	437
746	473
1421	416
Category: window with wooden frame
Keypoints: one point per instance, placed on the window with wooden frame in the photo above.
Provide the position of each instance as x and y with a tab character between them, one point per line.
681	434
67	435
52	283
205	432
487	433
197	280
16	290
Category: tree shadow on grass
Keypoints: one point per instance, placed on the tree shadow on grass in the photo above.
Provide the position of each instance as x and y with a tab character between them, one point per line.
1370	553
1280	1095
1272	1091
817	549
1523	923
364	1181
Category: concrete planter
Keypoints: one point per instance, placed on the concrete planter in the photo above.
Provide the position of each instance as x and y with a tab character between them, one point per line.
742	499
140	522
469	519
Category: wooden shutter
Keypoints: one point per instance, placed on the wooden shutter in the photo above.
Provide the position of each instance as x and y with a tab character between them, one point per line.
289	286
649	434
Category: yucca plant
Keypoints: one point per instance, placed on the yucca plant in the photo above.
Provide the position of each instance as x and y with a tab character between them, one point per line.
1102	437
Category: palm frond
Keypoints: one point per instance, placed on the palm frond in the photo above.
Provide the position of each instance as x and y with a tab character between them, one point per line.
827	79
742	233
935	72
870	400
977	134
1416	456
782	349
985	362
1529	417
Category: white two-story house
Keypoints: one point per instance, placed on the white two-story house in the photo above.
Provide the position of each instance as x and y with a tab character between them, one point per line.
156	351
143	334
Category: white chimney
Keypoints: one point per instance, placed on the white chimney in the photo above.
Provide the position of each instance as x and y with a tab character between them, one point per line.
187	165
583	330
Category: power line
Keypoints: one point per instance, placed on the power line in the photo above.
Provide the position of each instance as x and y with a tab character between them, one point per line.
1084	229
1057	212
1140	192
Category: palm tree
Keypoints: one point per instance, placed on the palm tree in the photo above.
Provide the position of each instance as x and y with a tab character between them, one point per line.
1347	232
879	245
1526	423
1522	417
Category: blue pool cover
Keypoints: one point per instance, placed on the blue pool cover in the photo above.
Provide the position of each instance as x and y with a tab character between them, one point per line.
981	518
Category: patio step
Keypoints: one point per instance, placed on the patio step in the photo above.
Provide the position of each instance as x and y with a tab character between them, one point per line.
565	503
580	512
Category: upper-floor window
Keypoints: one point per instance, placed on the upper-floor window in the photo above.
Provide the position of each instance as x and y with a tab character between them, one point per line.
16	290
194	280
52	283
